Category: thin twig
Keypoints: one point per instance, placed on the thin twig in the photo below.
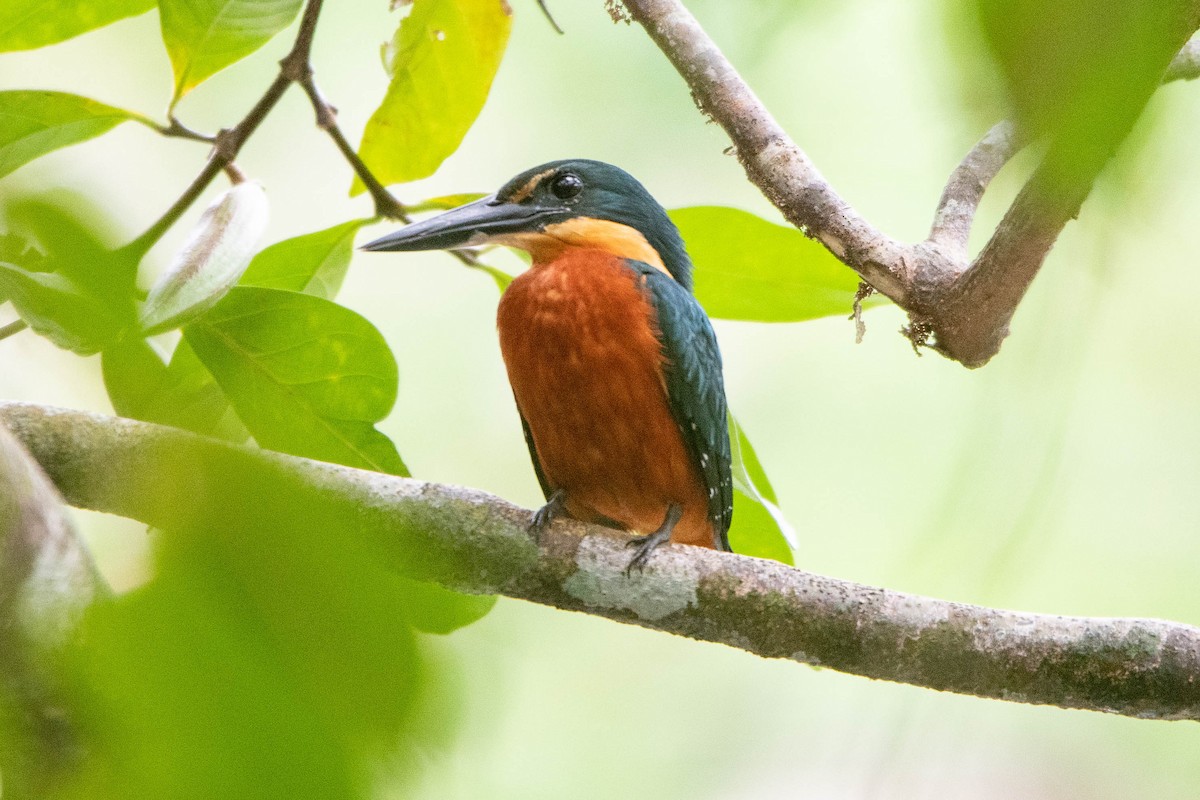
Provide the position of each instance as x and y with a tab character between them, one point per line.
956	209
546	11
14	327
969	180
229	142
386	205
965	305
295	67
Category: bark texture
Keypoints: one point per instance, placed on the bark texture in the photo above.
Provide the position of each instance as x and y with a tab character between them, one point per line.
46	581
474	542
964	304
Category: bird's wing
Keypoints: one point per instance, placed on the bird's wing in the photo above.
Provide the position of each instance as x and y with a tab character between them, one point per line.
695	389
547	490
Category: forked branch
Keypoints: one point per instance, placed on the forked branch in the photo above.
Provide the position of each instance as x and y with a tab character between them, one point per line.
966	304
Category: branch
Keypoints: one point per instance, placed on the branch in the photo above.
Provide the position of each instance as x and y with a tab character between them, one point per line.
964	190
969	180
295	67
46	581
12	328
228	145
229	142
773	162
966	304
474	542
386	205
1185	66
46	575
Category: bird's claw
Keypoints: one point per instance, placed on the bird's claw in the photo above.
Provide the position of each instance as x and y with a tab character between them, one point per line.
638	562
645	547
548	513
650	542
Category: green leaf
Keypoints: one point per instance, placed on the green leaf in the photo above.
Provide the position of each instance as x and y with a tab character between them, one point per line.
74	237
445	202
751	269
502	278
57	308
759	526
16	250
26	24
305	375
195	402
182	394
1080	73
433	609
211	261
135	377
269	659
80	293
314	263
442	61
185	695
204	37
34	123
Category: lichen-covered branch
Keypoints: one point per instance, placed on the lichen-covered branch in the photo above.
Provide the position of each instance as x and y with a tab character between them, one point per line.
1185	66
474	542
46	581
965	304
46	575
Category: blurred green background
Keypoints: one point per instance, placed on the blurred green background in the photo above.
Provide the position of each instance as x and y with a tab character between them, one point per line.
1058	479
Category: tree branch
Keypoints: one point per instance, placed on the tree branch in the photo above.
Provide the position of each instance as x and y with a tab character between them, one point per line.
46	581
295	67
386	205
46	576
773	162
12	328
1185	66
964	190
966	304
473	542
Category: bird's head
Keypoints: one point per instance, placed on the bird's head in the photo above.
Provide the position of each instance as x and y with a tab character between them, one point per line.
549	209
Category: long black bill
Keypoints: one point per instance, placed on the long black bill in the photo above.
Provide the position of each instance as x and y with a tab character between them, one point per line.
464	226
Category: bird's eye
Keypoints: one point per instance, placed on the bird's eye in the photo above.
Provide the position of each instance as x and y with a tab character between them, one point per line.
566	186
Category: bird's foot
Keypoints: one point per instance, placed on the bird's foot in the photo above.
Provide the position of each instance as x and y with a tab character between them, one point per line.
555	507
645	545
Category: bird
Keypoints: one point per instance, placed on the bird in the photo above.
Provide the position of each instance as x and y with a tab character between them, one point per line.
613	363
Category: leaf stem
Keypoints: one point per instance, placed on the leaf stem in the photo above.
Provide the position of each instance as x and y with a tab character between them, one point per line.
14	327
177	130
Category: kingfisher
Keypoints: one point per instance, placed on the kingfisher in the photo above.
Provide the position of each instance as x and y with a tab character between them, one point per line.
613	363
